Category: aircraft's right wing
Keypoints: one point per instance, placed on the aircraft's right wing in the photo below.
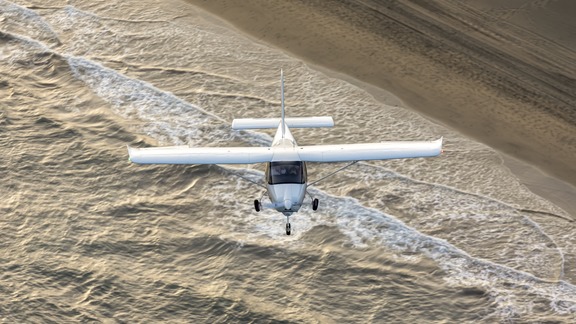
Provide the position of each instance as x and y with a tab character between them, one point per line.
372	151
200	155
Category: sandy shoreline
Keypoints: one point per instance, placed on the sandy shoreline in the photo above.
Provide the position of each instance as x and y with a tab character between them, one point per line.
480	75
558	192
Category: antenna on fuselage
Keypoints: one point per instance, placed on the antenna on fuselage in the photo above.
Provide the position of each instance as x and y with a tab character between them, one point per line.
282	99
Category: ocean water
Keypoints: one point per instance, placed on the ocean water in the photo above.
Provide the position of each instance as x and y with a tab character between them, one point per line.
87	236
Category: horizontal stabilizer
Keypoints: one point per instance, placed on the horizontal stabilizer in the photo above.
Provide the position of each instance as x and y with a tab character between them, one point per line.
292	122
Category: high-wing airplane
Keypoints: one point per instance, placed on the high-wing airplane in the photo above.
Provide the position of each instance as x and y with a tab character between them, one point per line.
285	175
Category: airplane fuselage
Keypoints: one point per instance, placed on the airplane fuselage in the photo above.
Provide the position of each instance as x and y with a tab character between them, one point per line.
286	176
287	198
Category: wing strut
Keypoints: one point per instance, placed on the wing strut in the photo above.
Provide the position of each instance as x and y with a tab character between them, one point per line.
333	173
234	173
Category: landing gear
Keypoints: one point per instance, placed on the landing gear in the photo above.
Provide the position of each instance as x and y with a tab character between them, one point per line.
257	205
315	204
288	226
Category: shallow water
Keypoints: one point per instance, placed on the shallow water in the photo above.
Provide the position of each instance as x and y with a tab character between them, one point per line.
87	236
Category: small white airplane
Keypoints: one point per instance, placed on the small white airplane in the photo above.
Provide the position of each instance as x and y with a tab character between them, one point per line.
286	177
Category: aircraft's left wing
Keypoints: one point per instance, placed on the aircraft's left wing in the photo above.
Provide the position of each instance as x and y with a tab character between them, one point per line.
372	151
200	155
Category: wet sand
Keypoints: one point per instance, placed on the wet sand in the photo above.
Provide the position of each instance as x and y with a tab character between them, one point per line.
502	74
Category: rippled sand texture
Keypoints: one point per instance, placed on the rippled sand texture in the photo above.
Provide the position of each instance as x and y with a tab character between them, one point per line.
501	71
87	236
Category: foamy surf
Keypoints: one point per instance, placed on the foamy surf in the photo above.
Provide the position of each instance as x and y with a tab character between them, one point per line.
190	233
171	120
369	227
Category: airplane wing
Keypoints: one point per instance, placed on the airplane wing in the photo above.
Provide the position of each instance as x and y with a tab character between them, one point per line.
314	153
200	155
372	151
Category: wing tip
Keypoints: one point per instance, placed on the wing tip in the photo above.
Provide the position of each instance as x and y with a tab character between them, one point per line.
130	151
440	141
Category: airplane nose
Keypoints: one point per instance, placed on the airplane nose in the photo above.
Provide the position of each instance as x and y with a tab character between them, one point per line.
287	204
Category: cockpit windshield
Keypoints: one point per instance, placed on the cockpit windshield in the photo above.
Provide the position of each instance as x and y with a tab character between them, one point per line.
286	172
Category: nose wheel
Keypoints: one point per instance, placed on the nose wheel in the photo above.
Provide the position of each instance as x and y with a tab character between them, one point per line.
315	204
288	226
257	205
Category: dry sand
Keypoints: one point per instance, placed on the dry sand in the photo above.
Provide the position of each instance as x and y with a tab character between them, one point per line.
500	73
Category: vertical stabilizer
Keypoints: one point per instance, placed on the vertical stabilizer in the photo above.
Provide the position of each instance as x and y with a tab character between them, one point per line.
283	121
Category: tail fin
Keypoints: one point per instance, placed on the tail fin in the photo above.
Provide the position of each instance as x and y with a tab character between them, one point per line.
296	122
283	121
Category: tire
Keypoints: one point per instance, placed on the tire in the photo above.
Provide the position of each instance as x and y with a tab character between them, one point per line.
315	203
257	205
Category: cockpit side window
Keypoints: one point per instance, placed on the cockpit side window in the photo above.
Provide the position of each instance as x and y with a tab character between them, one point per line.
286	172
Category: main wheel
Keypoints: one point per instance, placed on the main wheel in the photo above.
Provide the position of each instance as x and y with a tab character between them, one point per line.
288	228
315	204
257	205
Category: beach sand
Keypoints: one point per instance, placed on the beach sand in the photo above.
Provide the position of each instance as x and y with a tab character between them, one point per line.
502	74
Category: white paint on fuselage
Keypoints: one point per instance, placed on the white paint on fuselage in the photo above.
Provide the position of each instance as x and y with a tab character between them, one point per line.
286	198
